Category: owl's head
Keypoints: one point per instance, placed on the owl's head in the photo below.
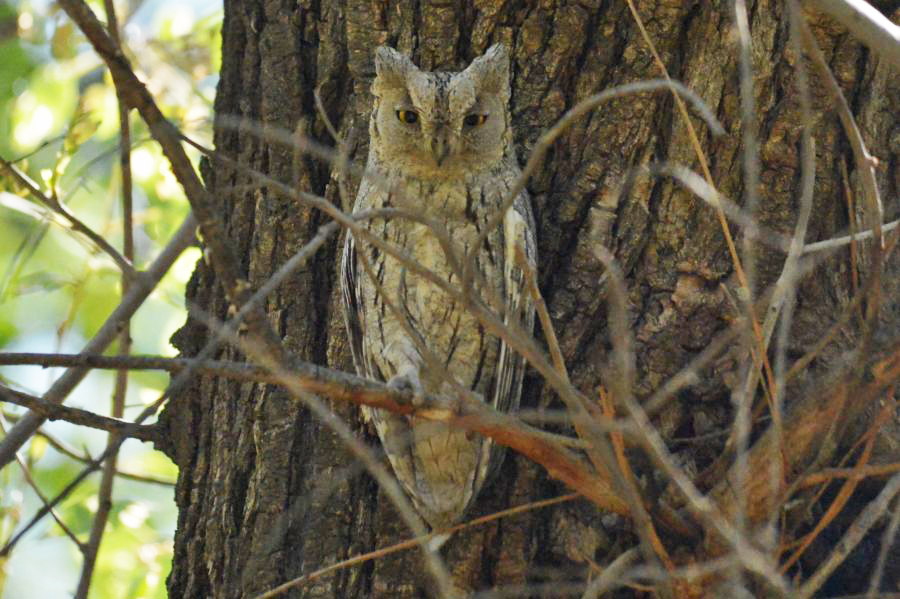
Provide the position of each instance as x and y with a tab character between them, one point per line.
441	125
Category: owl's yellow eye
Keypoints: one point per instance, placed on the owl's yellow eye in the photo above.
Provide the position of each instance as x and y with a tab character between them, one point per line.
473	120
408	116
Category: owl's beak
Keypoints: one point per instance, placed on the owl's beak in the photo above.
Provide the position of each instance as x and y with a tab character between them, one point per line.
440	146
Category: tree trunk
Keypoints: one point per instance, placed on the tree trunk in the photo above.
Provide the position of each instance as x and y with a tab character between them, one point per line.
266	492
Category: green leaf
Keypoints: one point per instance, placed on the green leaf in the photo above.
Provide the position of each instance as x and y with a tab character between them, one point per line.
62	44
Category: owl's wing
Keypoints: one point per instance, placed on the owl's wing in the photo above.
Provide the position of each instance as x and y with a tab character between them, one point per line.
352	307
518	230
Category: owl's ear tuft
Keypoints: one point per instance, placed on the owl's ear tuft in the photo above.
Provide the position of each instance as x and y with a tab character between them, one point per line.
391	67
491	70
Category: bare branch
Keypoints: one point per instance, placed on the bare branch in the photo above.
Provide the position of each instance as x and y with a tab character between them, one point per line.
410	543
135	94
75	224
142	285
107	480
836	242
52	411
475	416
546	140
866	24
26	472
865	163
869	516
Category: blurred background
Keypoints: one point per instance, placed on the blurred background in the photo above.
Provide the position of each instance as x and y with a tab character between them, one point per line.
59	124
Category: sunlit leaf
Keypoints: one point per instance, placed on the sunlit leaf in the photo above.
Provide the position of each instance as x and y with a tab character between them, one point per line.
62	44
37	448
82	126
19	259
40	281
8	332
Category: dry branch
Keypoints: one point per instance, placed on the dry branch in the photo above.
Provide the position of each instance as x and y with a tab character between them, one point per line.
53	411
107	479
135	94
75	224
26	473
866	24
142	286
306	579
810	420
475	416
853	536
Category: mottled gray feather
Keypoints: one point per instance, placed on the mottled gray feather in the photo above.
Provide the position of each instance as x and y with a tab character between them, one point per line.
454	164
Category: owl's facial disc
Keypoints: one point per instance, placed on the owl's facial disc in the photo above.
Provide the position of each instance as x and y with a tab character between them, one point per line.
440	125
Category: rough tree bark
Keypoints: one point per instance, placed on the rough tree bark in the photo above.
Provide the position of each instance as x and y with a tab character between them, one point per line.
266	492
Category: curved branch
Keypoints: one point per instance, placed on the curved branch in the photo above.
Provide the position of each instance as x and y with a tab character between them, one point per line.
867	25
74	223
53	411
140	289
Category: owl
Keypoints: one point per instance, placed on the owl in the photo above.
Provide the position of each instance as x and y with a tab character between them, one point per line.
440	147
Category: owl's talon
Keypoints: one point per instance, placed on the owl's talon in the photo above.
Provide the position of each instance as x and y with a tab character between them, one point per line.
408	382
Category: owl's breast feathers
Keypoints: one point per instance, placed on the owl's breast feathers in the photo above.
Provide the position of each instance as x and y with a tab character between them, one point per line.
411	323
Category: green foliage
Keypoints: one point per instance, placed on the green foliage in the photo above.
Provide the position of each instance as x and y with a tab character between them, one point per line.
59	124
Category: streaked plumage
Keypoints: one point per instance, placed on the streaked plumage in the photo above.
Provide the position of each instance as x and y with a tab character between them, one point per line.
452	162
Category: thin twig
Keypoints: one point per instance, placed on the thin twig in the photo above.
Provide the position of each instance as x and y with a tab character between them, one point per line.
612	575
865	471
142	286
786	285
840	500
652	538
410	543
74	223
712	197
545	141
836	242
866	24
52	411
869	516
811	420
865	165
87	459
851	220
865	162
743	396
540	307
621	382
26	473
108	476
750	141
73	484
844	318
887	544
760	358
